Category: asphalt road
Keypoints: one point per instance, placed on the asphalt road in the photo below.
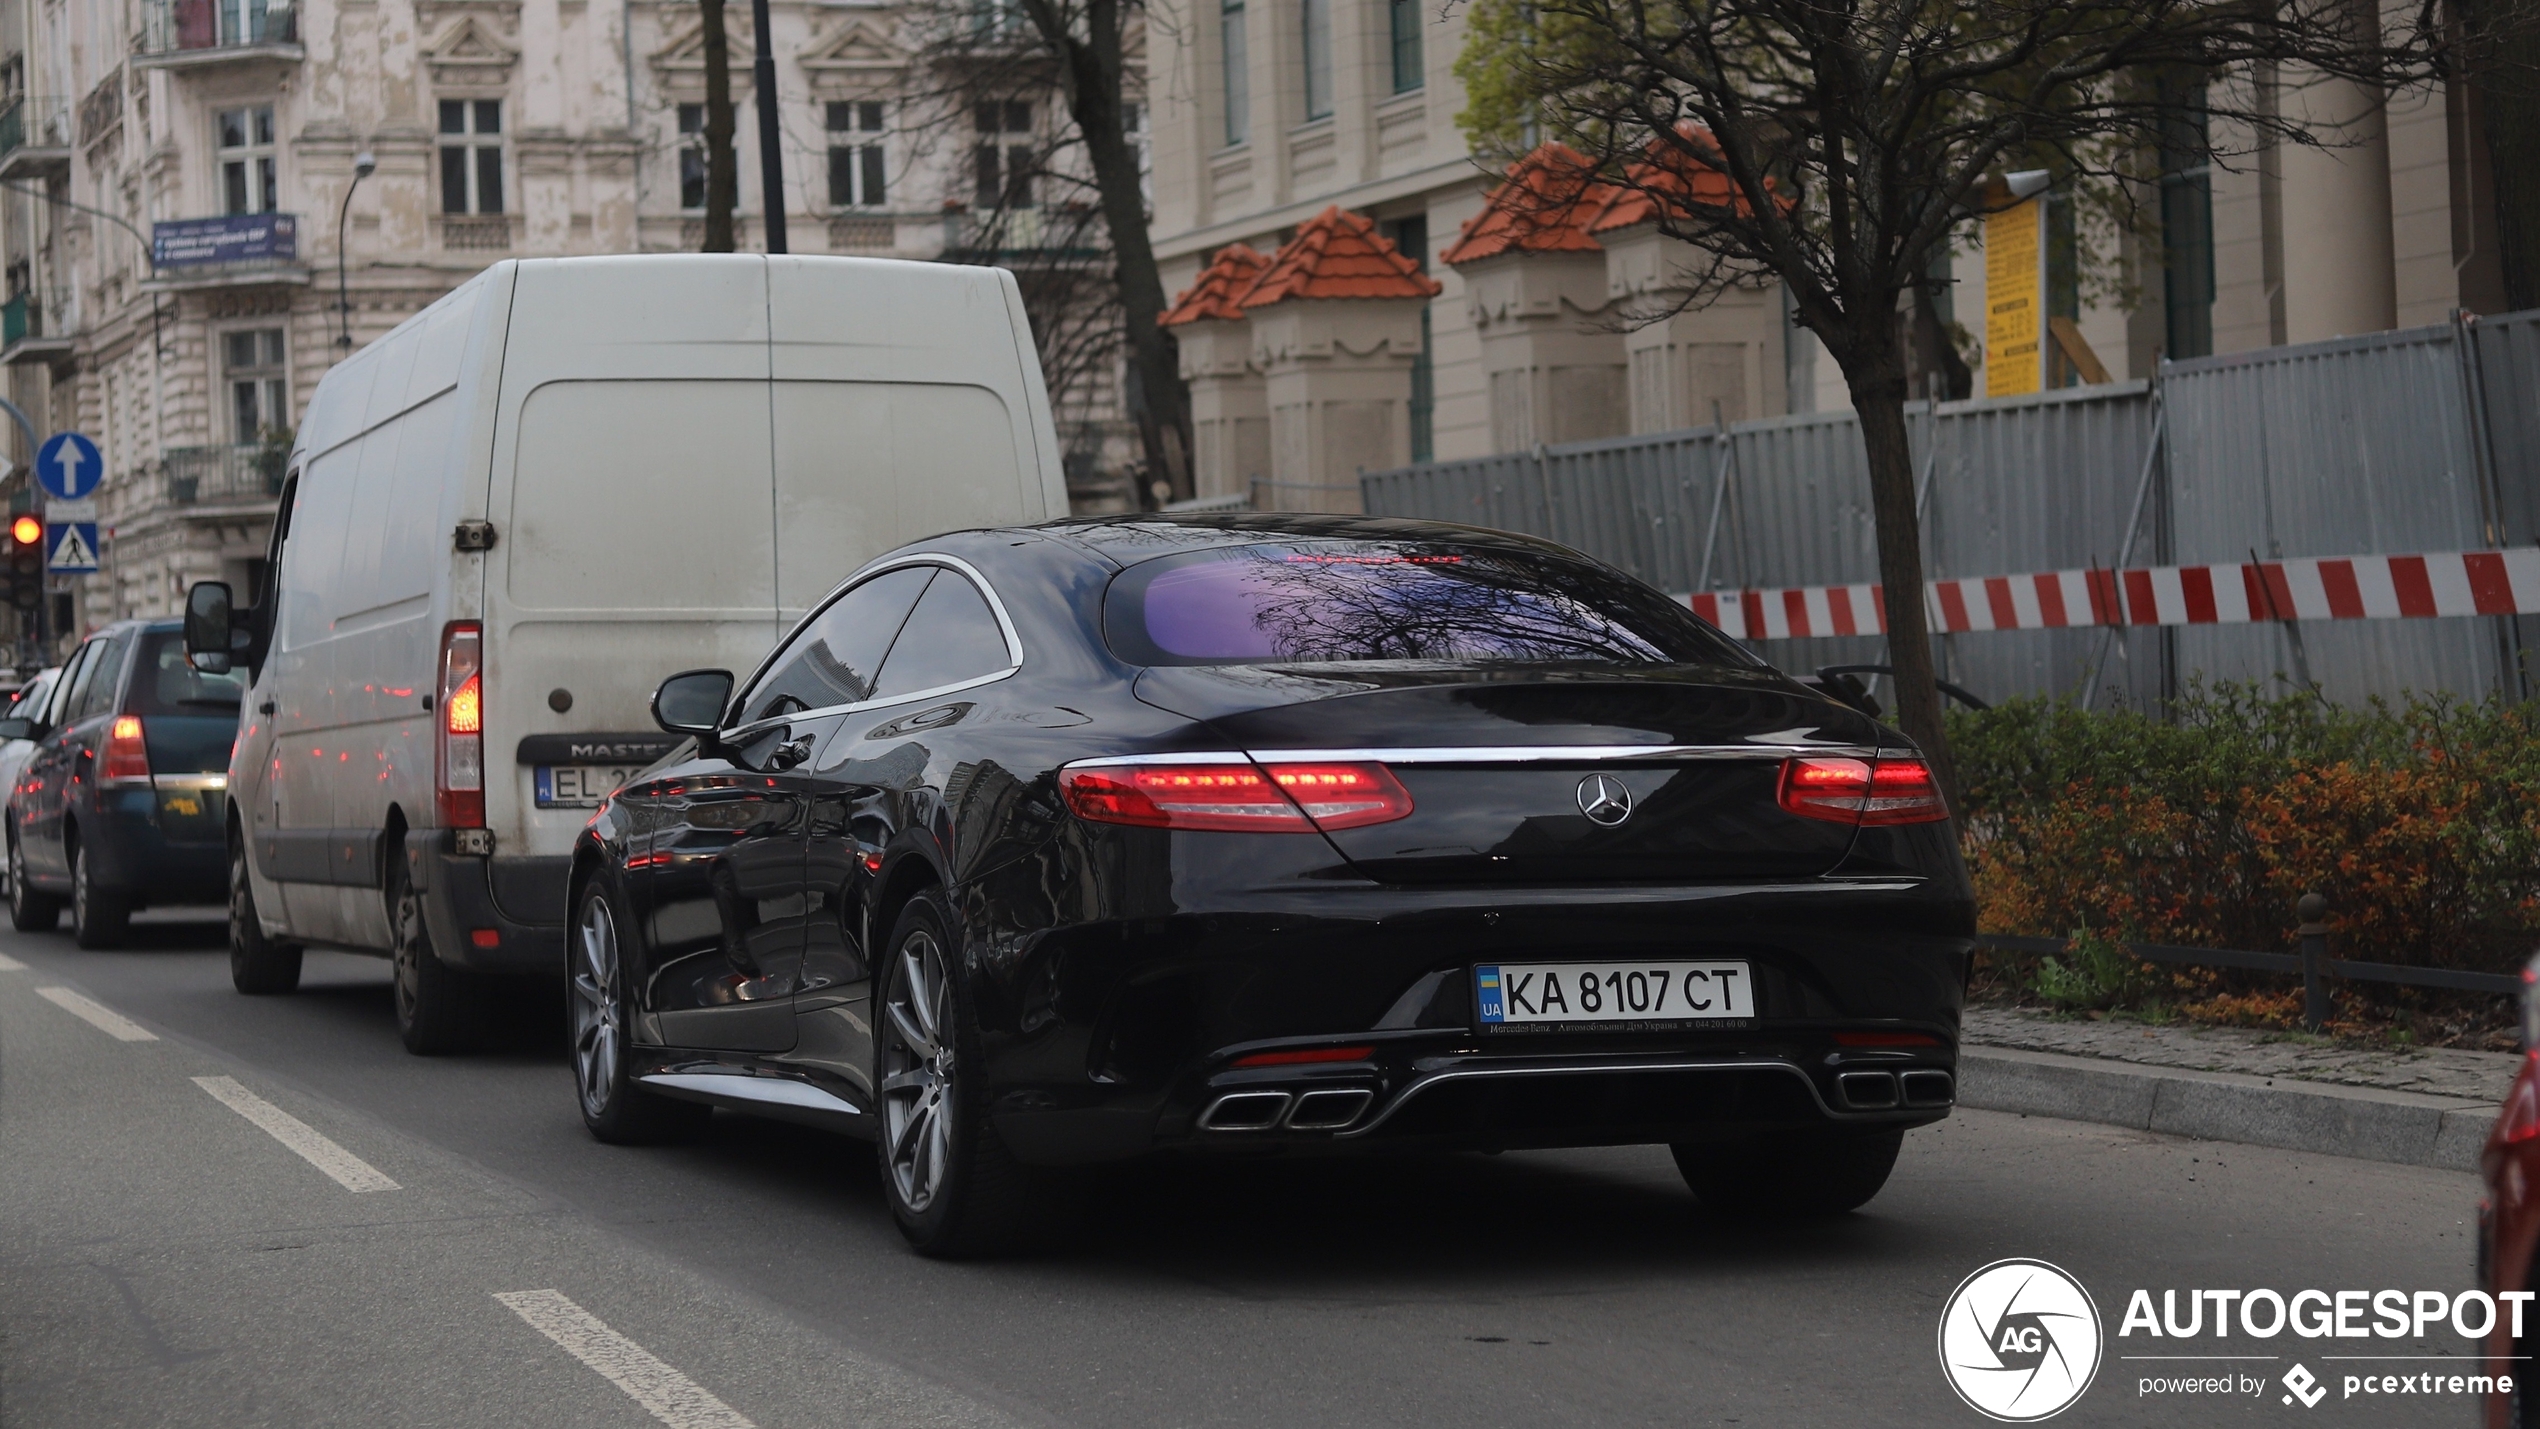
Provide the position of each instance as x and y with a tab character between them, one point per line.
166	1257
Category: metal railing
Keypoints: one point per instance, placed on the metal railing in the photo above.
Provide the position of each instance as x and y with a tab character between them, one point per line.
476	232
199	475
38	312
200	26
28	120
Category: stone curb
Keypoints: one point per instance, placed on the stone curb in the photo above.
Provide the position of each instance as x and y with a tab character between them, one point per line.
2362	1122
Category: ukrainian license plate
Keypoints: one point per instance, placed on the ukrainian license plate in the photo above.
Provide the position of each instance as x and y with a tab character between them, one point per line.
1572	994
580	786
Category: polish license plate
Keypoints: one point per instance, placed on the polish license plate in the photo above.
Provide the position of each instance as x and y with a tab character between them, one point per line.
580	786
1577	994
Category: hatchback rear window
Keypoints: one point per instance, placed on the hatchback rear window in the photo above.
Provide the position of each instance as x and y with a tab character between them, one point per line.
164	683
1355	601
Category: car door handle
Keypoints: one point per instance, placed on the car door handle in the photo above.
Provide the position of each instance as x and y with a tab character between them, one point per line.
790	753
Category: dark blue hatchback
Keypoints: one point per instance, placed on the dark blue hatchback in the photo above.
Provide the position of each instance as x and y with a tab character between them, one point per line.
124	803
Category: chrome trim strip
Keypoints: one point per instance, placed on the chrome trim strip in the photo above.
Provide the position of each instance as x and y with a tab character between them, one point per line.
1463	1074
1205	756
1571	753
740	1086
204	782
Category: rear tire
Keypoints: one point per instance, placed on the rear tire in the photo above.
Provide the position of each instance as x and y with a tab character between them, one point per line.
1791	1173
30	911
436	1004
258	965
603	1018
953	1186
98	919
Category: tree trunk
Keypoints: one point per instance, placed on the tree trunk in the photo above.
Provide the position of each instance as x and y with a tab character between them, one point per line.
1159	400
1878	396
723	186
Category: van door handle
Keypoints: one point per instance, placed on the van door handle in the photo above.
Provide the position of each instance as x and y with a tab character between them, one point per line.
265	708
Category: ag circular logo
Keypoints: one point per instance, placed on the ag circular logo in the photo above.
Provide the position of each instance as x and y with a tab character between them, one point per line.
2019	1340
1605	799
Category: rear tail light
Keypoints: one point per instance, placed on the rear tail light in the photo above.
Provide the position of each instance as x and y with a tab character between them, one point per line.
1885	1039
1306	1056
461	781
1262	798
127	754
1861	791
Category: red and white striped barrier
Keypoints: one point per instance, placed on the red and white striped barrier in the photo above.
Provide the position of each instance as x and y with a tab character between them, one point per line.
2328	588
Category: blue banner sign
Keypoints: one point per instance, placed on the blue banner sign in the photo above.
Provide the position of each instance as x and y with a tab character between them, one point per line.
240	238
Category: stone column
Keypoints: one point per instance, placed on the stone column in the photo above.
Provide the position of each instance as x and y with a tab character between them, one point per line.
1230	408
1338	387
1554	374
2339	276
1728	351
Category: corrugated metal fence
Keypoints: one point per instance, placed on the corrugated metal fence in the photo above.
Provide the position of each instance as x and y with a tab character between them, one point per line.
2391	443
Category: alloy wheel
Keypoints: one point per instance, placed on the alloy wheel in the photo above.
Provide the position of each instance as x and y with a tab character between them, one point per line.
598	1038
917	1073
17	877
79	887
406	947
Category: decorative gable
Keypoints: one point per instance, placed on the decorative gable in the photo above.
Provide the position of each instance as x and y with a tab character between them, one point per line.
682	61
471	54
851	60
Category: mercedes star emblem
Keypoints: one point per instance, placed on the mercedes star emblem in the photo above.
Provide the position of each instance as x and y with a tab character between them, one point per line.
1605	799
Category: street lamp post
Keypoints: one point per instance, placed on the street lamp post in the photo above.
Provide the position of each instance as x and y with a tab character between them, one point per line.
364	165
771	162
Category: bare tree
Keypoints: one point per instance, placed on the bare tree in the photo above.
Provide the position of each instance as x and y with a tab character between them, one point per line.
1085	52
1835	145
723	184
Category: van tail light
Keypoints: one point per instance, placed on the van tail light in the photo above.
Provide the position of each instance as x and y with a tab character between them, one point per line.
1261	798
1861	791
127	753
460	784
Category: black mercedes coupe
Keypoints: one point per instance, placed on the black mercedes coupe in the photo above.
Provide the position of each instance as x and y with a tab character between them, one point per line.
1270	834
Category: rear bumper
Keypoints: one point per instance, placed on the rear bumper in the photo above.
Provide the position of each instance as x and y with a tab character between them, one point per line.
131	856
459	905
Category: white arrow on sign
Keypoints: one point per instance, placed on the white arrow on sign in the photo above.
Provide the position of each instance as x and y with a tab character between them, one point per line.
68	456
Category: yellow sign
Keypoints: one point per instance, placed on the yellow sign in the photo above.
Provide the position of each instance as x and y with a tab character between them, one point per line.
2014	301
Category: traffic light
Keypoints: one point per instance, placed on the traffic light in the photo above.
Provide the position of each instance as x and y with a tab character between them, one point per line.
26	563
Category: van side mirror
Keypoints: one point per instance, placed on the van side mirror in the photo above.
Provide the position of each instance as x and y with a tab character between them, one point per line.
17	727
208	644
692	702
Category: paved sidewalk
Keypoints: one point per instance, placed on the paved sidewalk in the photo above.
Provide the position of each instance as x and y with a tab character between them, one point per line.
2426	1106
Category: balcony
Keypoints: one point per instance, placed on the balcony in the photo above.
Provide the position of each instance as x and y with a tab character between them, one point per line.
224	476
197	33
475	232
35	138
37	326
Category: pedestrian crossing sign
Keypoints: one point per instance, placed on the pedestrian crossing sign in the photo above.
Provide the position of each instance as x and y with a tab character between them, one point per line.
70	546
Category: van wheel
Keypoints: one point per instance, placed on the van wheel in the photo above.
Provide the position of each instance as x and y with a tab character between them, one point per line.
613	1106
434	1001
257	964
29	910
1791	1173
98	919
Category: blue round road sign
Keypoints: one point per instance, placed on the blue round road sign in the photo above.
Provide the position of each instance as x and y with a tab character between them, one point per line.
68	467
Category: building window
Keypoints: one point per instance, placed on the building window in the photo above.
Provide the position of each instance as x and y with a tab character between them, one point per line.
1407	72
1230	25
471	156
246	160
1133	129
692	157
259	383
1318	59
857	171
1003	167
2187	224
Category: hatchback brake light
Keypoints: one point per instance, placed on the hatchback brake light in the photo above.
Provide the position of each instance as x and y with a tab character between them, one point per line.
127	753
460	785
1261	798
1861	791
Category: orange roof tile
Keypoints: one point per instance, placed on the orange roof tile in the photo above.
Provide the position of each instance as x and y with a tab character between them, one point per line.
1551	197
1338	254
1675	178
1221	285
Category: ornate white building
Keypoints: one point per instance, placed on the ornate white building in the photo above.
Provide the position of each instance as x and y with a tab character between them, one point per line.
178	174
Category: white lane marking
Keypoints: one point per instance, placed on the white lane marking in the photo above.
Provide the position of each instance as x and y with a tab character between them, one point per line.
349	1171
97	1014
673	1398
10	965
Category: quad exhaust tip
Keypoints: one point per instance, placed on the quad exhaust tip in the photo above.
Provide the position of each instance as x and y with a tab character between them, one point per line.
1327	1110
1867	1091
1245	1111
1930	1088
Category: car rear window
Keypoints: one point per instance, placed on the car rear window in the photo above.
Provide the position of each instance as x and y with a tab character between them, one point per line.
164	683
1357	601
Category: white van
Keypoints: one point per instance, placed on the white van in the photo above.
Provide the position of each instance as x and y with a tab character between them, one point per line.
506	521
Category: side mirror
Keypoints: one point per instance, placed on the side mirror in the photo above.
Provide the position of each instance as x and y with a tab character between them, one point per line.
692	702
208	644
17	727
